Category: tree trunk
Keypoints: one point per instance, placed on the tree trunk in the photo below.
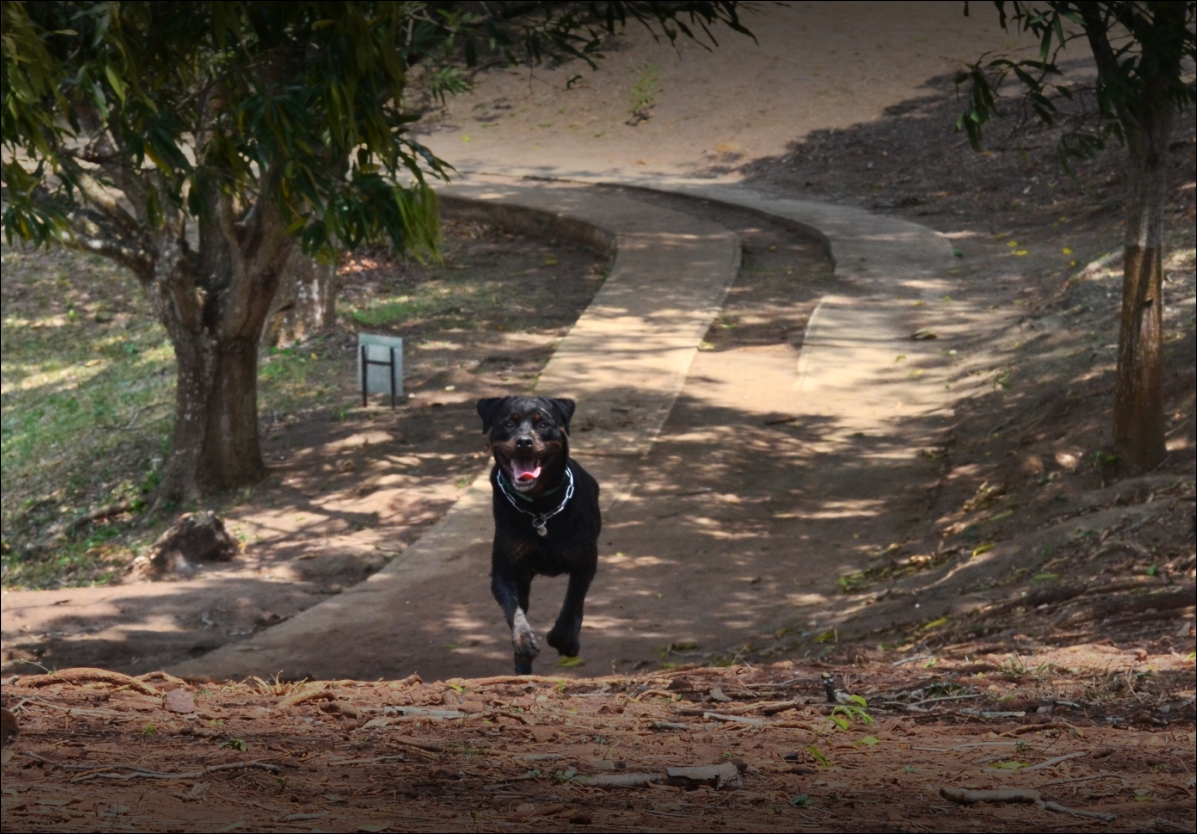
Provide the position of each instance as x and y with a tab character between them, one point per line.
213	304
215	444
1139	425
305	303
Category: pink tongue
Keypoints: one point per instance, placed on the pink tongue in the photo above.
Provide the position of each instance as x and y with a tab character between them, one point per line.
525	470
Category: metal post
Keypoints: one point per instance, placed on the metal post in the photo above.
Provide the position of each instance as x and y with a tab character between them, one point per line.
391	370
365	371
390	365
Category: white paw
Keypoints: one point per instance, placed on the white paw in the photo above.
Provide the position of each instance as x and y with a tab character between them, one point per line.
523	638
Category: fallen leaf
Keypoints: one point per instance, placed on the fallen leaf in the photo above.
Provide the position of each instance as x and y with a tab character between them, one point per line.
542	734
570	662
1066	251
923	335
180	701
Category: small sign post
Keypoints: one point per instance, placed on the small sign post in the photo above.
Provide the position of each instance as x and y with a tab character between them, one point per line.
380	366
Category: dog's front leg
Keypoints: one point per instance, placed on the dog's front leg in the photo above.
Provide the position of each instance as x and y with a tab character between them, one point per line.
511	592
565	636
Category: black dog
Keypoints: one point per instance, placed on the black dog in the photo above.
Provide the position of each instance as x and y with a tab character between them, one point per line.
546	517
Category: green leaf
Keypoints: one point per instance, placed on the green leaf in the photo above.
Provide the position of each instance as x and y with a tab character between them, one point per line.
801	800
819	757
869	741
1008	765
118	86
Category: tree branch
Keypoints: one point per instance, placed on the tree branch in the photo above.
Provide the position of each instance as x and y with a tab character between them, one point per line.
113	161
113	248
98	196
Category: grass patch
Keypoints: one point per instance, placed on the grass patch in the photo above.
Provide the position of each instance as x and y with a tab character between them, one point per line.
86	400
88	380
87	392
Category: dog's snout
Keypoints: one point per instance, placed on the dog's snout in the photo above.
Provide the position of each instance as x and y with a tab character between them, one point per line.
523	444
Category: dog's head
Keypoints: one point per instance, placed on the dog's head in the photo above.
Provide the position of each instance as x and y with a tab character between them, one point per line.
529	437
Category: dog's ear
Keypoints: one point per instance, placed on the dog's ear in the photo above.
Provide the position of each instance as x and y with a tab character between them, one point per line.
488	407
566	409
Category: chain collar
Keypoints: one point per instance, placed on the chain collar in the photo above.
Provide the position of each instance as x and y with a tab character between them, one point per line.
540	520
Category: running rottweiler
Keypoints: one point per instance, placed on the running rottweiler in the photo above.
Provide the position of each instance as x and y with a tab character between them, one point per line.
546	517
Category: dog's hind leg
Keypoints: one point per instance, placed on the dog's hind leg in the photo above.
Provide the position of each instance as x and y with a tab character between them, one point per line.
511	592
565	636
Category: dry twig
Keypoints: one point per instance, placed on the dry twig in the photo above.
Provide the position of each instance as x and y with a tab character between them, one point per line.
89	675
962	796
104	771
1034	728
1055	761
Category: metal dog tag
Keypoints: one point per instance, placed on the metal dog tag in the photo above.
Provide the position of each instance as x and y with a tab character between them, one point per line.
541	526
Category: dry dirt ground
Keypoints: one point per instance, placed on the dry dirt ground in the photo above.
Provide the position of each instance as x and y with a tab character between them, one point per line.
1022	601
617	753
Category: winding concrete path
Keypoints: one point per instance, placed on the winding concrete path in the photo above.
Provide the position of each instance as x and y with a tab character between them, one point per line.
861	417
625	361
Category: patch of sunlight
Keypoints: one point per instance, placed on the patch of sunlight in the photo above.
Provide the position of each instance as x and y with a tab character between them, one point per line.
154	622
844	509
630	562
802	600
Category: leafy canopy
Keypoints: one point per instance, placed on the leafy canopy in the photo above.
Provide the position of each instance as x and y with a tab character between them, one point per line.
299	104
1142	50
293	107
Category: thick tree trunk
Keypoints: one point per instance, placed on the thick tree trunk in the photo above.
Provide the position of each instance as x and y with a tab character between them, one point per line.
214	304
215	444
1139	425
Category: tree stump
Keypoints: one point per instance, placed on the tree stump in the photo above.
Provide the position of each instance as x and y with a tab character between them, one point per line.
195	537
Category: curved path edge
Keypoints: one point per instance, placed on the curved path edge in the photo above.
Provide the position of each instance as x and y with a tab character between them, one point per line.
624	361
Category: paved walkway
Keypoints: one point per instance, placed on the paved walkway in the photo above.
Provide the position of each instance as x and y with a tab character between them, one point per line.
625	361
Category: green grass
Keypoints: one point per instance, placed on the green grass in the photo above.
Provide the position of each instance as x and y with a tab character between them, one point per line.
86	401
87	390
87	385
